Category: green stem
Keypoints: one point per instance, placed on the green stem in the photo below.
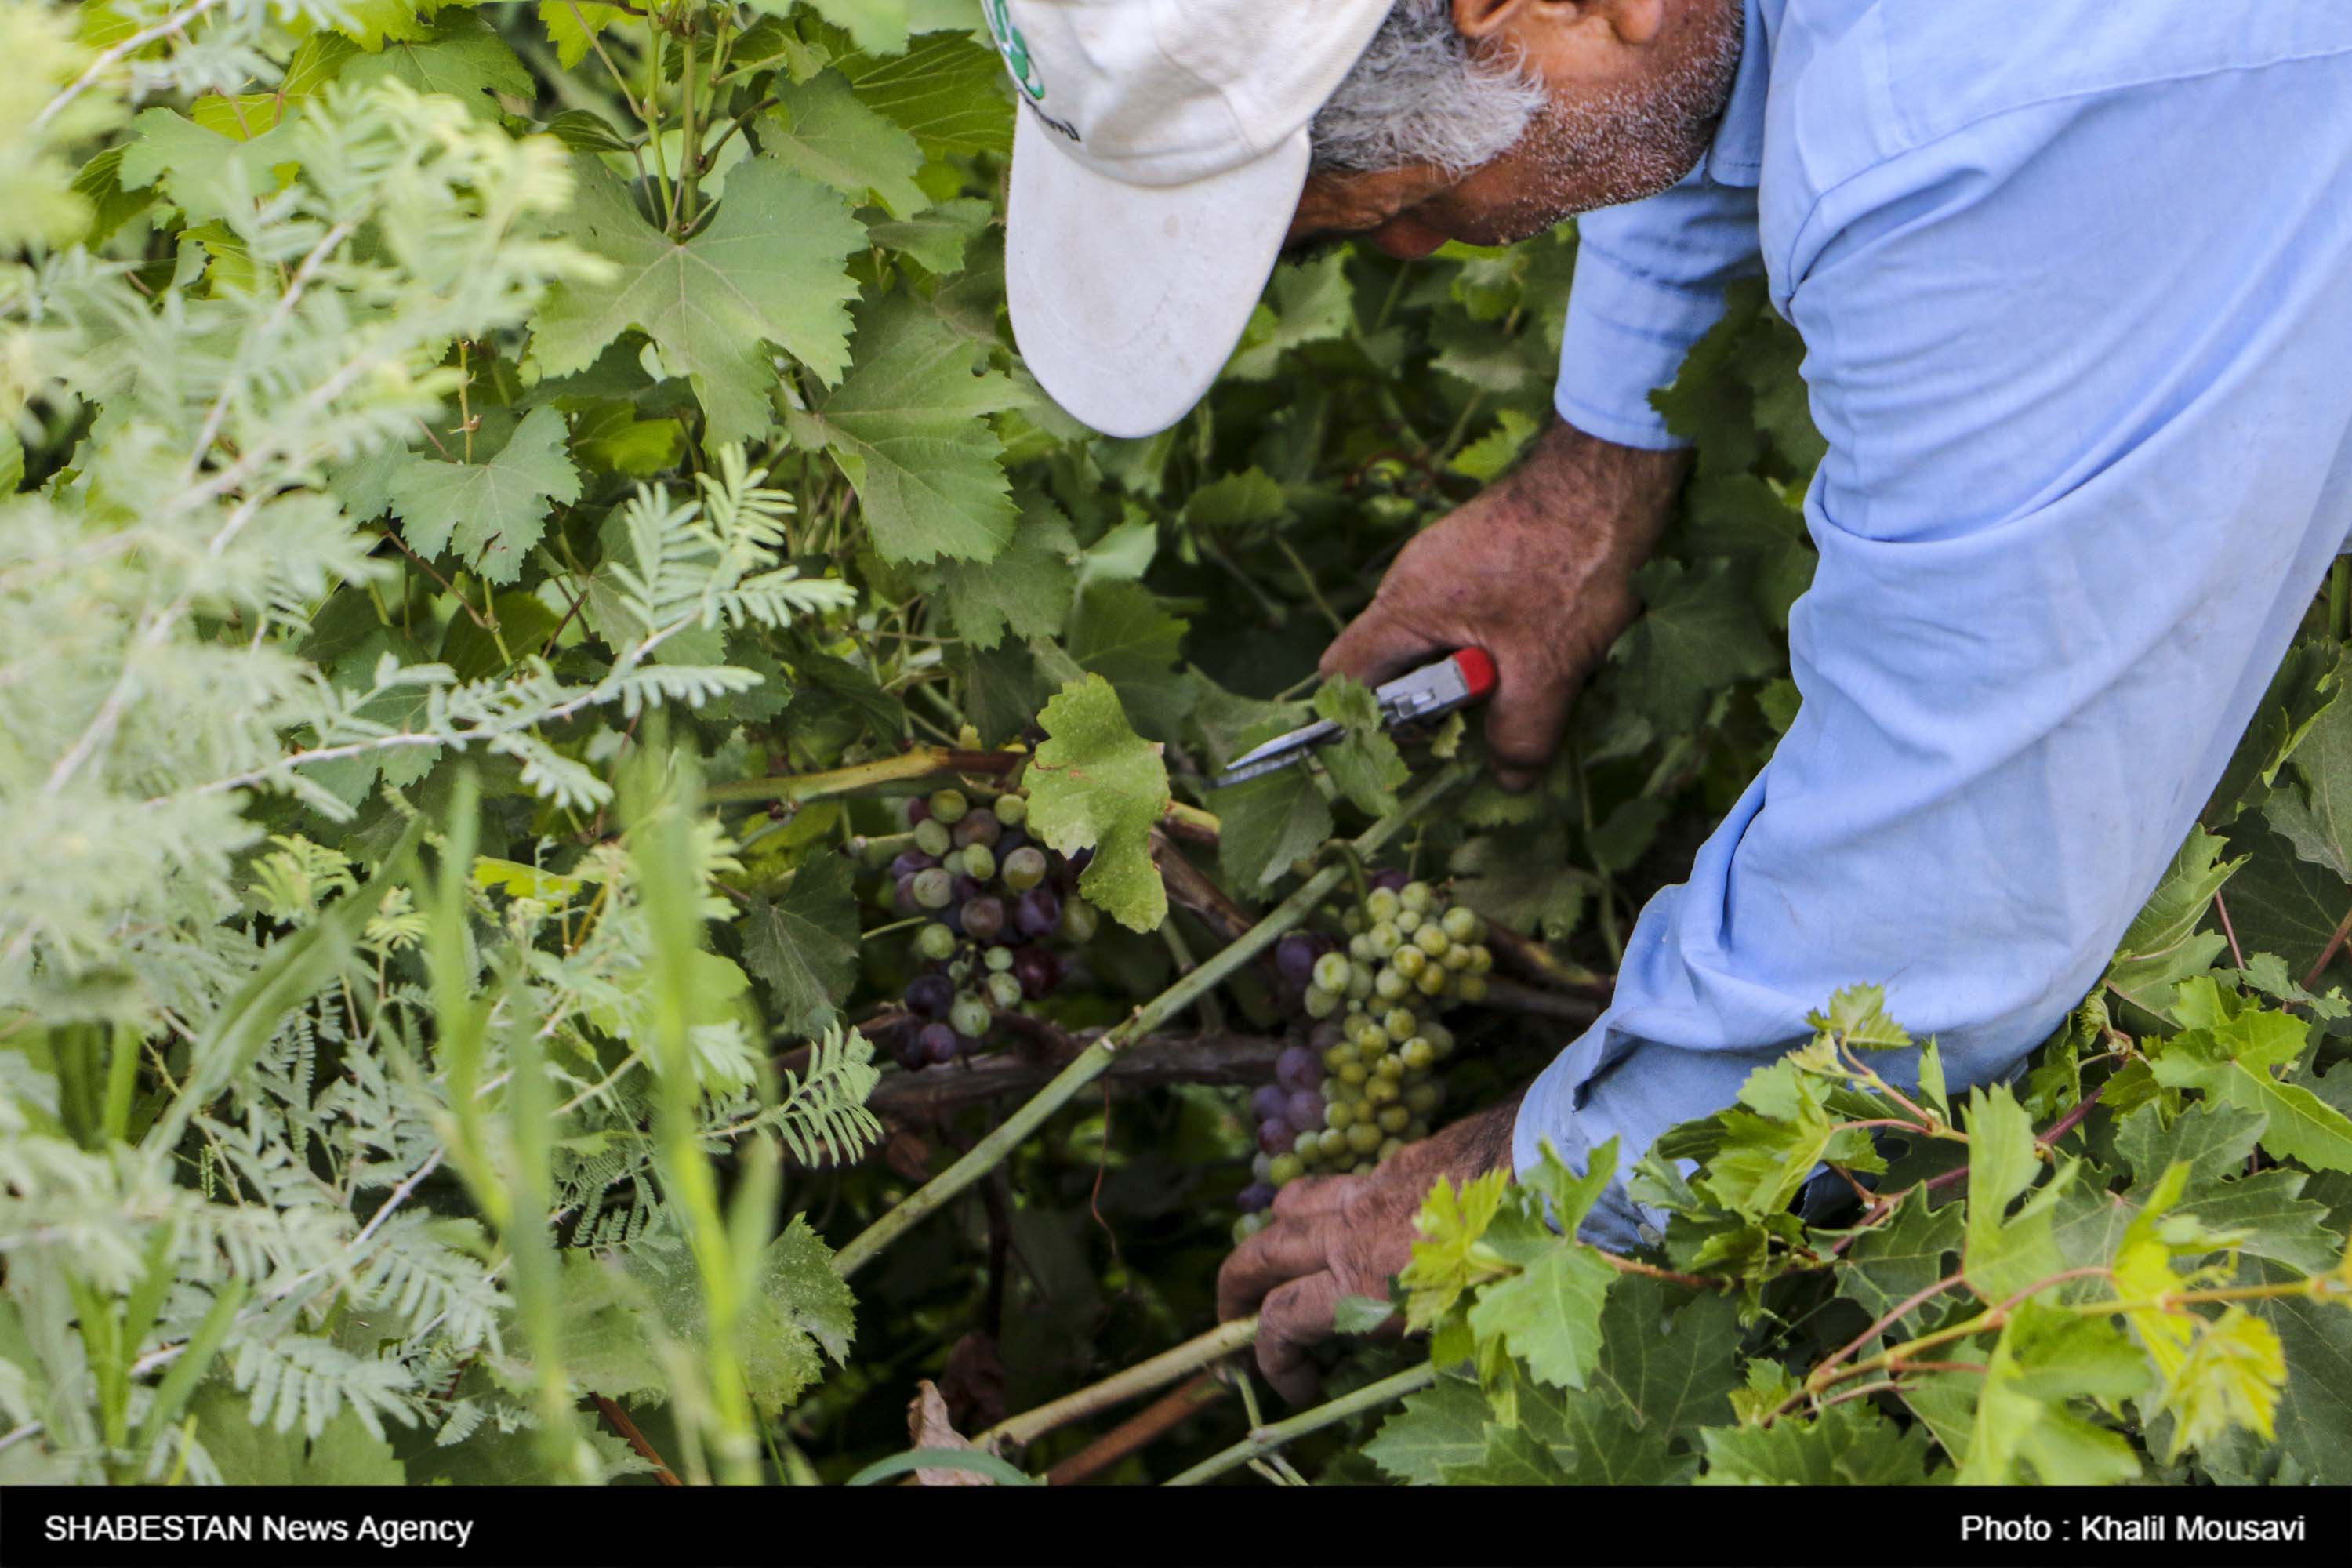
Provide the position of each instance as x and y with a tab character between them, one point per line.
1165	1368
1091	1063
920	763
1266	1439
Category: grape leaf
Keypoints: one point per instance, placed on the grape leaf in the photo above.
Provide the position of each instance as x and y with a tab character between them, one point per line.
1363	761
1849	1445
940	238
2163	946
906	427
766	270
1508	1456
1486	458
461	56
1234	501
2004	1255
1025	590
1360	1314
1307	302
2282	903
489	514
801	1307
2308	682
572	26
1097	784
2230	1050
2316	814
1698	633
946	90
1900	1257
2024	1431
1549	1313
1443	1425
878	26
804	943
822	129
2315	1410
247	1454
1266	824
1118	631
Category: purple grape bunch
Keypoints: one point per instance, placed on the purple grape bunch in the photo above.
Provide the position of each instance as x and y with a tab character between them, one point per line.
996	900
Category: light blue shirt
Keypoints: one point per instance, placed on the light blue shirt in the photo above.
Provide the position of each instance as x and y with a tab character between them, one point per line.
2074	279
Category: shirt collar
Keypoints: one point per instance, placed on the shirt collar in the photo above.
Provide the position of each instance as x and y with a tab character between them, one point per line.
1736	157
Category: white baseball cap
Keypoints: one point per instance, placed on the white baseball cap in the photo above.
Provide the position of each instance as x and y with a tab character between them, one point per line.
1159	154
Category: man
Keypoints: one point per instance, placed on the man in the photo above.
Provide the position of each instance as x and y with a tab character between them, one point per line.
2075	280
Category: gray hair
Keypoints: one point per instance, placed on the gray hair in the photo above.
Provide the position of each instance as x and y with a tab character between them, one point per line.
1418	95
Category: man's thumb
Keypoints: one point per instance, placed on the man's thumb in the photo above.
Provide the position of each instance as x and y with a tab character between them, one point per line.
1525	720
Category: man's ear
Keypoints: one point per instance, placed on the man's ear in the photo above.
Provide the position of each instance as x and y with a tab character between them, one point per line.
1634	21
1484	18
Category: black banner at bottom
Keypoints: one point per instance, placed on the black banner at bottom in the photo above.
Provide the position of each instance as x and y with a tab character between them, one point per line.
1231	1526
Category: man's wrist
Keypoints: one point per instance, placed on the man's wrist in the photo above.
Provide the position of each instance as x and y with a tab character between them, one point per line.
1486	1138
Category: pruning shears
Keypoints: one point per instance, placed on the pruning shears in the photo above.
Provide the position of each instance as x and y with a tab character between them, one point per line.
1460	679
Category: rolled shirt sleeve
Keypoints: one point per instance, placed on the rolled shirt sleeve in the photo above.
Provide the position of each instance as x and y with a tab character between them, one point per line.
1650	279
2082	366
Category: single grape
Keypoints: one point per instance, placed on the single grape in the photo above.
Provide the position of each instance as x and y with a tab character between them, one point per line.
968	886
1390	1066
1303	1107
971	1016
1320	1002
1351	1071
1389	1146
978	827
1360	948
910	1051
908	862
998	959
1460	923
1336	1056
1038	913
1005	988
934	887
1012	810
932	837
917	812
1331	1142
1351	920
1369	1036
1339	1113
1330	971
1297	1067
1408	960
978	861
1286	1169
1382	939
903	894
938	1042
1388	985
1390	877
1080	921
1023	869
935	941
1415	1130
1394	1119
1260	1165
927	995
1275	1136
1268	1100
1440	1037
1434	980
1034	969
1253	1198
1418	1053
1407	921
1380	1090
1481	958
1364	1137
1400	1024
1417	896
1459	957
1360	982
1431	937
1471	988
1244	1227
949	806
1423	1099
1381	904
1295	957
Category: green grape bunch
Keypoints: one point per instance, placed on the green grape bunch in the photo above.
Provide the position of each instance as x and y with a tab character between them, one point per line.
1364	1083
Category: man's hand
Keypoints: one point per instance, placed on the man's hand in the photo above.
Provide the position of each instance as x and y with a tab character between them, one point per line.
1344	1236
1537	571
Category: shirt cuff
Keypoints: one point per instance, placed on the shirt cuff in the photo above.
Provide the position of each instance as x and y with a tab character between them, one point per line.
1627	334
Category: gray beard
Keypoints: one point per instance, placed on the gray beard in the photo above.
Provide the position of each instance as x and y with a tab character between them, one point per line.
1644	139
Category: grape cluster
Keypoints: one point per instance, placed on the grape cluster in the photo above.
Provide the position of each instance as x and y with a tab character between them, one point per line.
994	897
1363	1083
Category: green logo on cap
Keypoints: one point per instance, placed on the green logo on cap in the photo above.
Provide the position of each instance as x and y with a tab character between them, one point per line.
1014	48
